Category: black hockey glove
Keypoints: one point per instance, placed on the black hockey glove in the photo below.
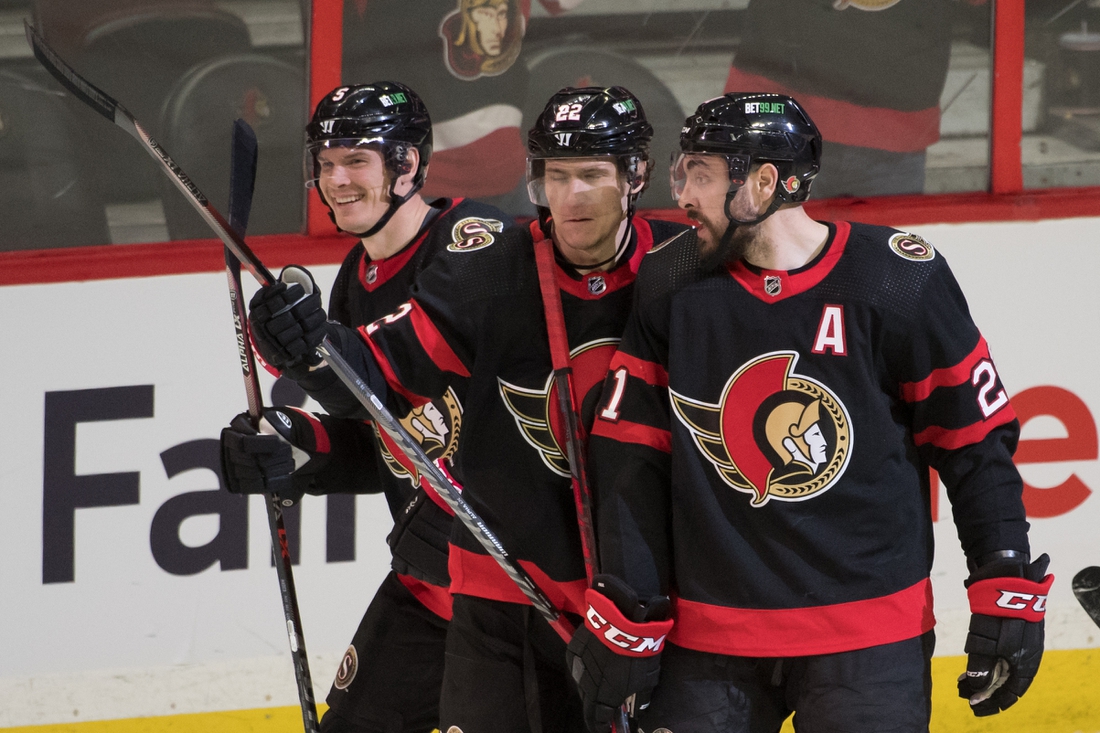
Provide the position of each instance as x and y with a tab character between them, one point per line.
420	538
1005	644
288	321
276	459
616	652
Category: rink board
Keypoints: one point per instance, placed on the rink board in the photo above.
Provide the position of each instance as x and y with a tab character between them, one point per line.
131	379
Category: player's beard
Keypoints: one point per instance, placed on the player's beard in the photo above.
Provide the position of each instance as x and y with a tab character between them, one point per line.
733	241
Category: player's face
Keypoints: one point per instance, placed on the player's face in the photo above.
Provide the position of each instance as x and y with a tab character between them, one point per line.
587	202
706	181
355	185
491	23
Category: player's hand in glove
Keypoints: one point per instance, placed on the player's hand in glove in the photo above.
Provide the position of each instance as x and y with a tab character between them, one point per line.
616	652
420	540
288	321
278	458
1005	644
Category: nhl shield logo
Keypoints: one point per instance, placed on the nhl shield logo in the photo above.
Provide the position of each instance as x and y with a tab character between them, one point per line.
775	434
596	285
372	274
773	285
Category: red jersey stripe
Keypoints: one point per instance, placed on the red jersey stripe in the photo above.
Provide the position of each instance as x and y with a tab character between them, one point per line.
387	371
433	597
632	432
479	575
798	281
649	372
797	632
595	285
441	353
960	437
386	268
951	376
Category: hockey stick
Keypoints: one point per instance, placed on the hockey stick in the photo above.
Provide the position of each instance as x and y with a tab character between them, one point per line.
567	402
1086	586
113	111
242	181
571	419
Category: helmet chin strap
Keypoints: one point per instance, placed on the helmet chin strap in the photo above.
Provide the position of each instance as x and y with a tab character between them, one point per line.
734	222
396	202
620	246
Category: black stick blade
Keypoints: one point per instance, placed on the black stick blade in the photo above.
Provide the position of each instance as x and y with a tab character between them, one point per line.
74	82
1086	586
242	175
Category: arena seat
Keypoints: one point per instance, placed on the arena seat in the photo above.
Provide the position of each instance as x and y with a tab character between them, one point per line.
136	51
197	121
46	201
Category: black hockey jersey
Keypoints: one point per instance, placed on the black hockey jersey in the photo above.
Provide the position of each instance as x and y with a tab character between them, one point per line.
762	449
476	313
363	291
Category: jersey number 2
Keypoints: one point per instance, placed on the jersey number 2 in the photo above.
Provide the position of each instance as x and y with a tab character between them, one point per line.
986	376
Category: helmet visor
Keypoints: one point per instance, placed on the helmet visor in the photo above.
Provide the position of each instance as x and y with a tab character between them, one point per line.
707	172
549	175
314	148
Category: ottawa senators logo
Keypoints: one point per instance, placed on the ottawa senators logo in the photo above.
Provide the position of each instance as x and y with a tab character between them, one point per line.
473	233
537	412
435	425
911	247
482	37
775	434
349	665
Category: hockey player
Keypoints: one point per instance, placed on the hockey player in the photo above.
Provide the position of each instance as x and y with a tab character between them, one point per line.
478	313
761	456
370	146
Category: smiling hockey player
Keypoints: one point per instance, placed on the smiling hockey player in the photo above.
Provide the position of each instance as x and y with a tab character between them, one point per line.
477	313
369	148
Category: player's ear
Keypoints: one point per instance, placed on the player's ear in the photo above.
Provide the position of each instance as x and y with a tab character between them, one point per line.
767	179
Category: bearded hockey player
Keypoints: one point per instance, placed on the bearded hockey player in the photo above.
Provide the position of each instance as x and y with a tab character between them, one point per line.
369	147
761	462
477	313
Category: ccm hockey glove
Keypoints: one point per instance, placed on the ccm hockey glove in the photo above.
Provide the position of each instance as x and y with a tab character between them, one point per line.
278	459
616	652
1005	644
288	321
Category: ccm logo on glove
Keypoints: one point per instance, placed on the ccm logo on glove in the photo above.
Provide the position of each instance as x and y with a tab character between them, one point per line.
620	634
1010	597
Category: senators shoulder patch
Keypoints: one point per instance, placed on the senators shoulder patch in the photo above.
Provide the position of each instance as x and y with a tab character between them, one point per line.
473	233
911	247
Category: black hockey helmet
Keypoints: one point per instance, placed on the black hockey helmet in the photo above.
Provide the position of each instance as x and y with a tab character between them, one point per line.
384	114
590	122
749	128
